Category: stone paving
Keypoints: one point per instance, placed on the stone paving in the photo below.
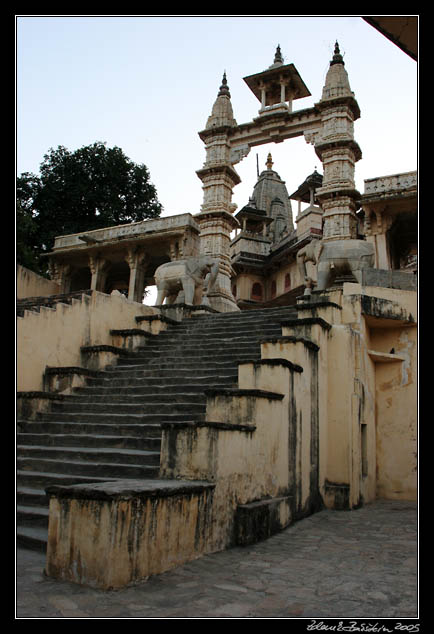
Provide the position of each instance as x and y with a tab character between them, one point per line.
357	564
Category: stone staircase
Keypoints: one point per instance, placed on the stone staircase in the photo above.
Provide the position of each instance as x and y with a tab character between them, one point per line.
109	429
36	303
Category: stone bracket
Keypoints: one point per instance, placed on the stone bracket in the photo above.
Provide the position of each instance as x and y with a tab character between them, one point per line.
99	356
64	379
131	338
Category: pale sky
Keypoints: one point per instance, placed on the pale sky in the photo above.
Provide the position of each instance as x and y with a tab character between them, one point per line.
147	84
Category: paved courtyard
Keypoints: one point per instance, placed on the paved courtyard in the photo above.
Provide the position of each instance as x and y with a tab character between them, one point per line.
335	564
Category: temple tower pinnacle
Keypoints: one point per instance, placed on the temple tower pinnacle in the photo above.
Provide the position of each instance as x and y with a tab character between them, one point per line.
218	177
338	151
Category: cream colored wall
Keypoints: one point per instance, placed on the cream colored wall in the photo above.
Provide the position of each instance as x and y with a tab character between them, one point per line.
244	464
245	281
388	375
279	277
53	337
30	284
96	532
396	395
296	352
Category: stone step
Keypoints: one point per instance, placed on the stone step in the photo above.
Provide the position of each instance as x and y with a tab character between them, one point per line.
50	301
213	336
234	328
202	349
235	324
83	468
143	390
116	419
41	479
33	537
99	429
118	456
202	357
168	380
181	364
165	376
241	316
34	515
89	440
132	397
171	405
31	496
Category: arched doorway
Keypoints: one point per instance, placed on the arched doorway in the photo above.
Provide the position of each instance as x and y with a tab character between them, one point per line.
80	280
402	241
118	278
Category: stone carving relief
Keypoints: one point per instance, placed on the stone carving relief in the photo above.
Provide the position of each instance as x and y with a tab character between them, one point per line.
238	153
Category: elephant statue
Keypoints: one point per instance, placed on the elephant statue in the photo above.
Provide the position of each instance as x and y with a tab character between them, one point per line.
186	280
335	257
339	257
309	253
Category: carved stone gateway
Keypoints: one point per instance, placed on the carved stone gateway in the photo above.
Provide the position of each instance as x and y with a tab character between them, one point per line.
329	126
124	258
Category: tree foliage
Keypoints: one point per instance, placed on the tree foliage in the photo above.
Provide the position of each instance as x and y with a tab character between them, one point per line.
90	188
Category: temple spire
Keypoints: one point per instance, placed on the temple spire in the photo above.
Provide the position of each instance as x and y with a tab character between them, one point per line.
337	57
278	59
224	88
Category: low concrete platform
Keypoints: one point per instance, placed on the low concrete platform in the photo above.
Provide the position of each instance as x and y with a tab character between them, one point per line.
360	564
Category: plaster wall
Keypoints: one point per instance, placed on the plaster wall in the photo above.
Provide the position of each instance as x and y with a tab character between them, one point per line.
396	413
296	278
246	458
244	283
303	458
53	337
117	535
30	284
385	390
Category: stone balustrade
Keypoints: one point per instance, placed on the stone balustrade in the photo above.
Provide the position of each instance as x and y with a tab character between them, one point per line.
394	182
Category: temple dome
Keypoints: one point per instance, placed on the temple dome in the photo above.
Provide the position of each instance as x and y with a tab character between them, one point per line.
270	194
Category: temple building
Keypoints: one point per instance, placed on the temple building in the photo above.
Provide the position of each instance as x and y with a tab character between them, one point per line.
263	253
264	250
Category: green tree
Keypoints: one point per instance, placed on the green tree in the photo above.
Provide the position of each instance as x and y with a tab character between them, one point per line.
90	188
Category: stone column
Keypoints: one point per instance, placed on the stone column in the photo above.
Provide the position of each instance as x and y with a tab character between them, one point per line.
98	267
263	97
338	151
218	176
137	260
60	273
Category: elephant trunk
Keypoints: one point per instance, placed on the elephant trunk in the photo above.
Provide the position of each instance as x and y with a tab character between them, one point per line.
301	264
212	277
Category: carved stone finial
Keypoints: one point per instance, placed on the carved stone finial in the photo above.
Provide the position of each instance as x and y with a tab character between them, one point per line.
269	162
224	88
337	57
278	59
